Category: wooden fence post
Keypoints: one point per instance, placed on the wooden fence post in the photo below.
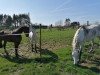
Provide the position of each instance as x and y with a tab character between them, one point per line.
40	40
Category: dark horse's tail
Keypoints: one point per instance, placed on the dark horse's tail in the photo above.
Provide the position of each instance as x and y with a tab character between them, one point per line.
1	36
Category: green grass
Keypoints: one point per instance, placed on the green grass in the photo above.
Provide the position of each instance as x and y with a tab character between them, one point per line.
56	57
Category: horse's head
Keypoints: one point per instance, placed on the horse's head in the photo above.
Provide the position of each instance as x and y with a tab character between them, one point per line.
76	54
26	30
77	45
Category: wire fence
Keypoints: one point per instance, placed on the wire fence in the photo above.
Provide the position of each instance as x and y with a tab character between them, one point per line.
52	38
47	38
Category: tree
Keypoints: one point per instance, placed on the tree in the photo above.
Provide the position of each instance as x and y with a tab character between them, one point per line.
4	19
67	22
50	27
15	20
24	19
20	19
75	24
59	25
8	21
1	19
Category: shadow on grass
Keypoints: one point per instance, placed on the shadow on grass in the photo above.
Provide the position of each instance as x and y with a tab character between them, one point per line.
94	69
49	57
96	61
93	61
19	60
44	59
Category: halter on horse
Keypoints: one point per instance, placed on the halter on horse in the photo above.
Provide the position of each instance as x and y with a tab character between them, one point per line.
15	37
83	34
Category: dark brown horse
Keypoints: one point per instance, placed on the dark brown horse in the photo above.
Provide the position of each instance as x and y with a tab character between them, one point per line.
15	37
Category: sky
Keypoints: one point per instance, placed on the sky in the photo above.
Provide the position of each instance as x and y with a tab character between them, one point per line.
49	11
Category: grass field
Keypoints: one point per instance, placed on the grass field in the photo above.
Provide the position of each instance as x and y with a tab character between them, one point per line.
56	57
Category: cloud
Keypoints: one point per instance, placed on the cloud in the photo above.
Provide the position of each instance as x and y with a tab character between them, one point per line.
60	7
81	17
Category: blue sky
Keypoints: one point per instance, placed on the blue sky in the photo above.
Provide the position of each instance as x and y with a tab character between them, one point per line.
50	11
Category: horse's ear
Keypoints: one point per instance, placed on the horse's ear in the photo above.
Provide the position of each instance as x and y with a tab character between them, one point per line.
83	26
85	29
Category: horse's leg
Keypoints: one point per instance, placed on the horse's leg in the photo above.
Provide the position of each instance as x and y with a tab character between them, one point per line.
35	43
16	49
92	45
5	42
80	52
99	40
35	48
1	43
32	47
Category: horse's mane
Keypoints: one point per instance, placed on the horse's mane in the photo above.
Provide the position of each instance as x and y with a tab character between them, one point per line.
75	42
15	30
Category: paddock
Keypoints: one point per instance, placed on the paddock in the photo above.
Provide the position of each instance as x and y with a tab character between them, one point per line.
56	55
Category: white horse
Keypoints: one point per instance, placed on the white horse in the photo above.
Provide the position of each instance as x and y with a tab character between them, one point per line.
32	37
84	33
32	33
